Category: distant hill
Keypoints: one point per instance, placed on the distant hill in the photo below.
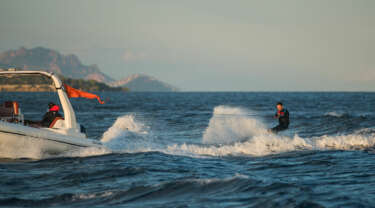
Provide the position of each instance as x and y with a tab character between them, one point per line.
92	85
50	60
144	83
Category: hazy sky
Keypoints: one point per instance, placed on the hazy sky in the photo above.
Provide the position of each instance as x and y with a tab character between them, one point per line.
208	45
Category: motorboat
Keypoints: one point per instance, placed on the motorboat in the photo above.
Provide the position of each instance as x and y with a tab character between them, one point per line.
19	140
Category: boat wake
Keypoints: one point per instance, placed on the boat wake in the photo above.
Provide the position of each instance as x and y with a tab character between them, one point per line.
230	132
244	135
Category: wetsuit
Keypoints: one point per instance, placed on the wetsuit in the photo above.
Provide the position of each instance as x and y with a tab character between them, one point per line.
283	116
49	117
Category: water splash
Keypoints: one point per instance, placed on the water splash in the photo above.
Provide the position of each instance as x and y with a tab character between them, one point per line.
238	134
123	125
231	124
231	131
128	135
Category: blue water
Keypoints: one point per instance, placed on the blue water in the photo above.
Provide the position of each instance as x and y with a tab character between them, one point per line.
203	150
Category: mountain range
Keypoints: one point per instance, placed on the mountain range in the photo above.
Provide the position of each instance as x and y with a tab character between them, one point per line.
52	61
70	66
144	83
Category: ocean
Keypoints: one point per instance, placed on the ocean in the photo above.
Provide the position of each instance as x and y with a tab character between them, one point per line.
202	150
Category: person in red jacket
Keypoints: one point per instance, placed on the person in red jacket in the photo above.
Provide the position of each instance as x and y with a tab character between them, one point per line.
53	112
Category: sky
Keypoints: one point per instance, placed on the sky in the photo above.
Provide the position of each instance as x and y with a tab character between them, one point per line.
208	45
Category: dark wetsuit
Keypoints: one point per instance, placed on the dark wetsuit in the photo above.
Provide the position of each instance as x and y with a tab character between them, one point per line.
49	117
283	121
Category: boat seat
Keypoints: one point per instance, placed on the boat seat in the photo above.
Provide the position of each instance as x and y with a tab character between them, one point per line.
9	110
6	112
58	122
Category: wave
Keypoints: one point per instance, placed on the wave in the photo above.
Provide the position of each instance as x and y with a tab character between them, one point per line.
242	190
231	131
335	114
341	114
152	193
247	136
63	199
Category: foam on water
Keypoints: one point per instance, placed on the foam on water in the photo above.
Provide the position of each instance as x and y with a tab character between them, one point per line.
241	135
231	131
87	152
271	144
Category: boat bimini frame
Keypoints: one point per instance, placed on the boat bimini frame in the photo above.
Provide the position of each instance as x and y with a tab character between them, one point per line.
69	115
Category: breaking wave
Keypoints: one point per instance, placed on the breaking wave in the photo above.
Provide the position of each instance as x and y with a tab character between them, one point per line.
335	114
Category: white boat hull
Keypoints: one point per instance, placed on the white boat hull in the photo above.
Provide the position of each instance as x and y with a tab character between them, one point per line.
18	141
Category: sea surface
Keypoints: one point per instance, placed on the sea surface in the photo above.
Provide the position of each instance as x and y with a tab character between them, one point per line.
202	150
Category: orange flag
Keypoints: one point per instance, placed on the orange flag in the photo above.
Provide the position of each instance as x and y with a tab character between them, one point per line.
74	93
